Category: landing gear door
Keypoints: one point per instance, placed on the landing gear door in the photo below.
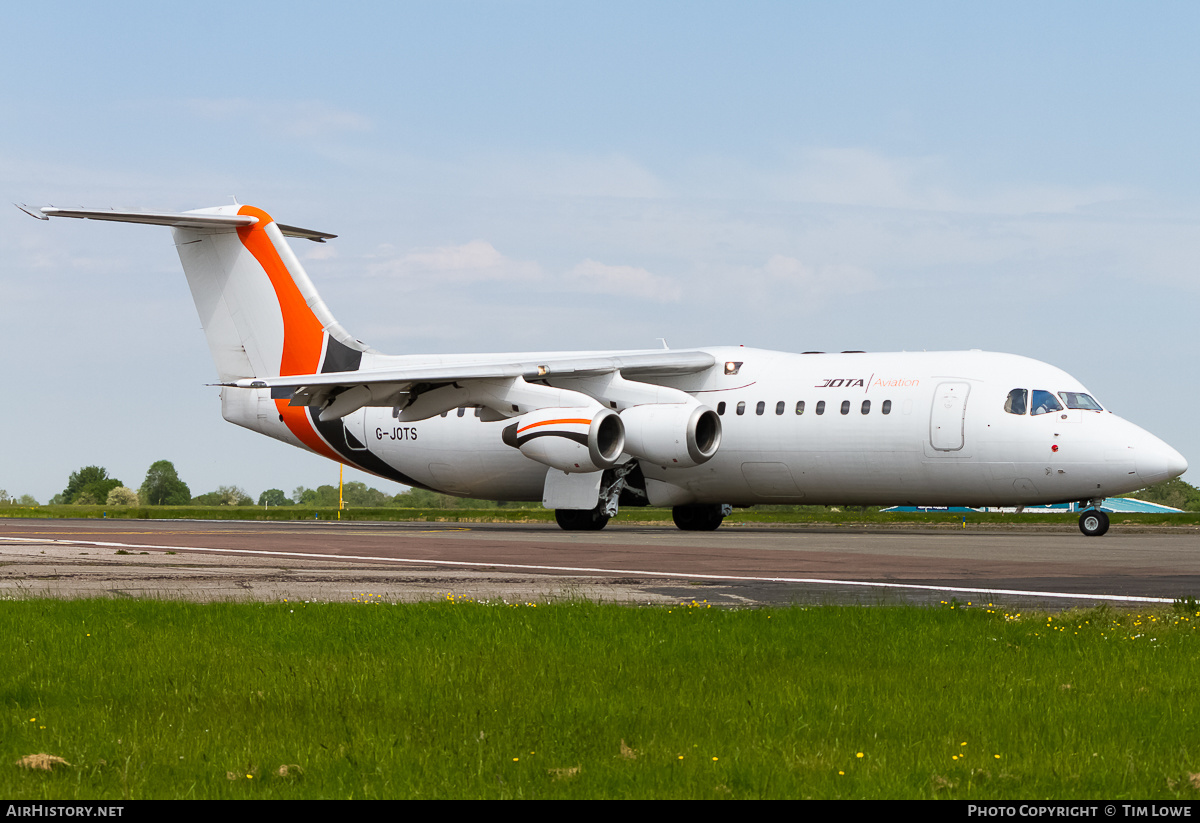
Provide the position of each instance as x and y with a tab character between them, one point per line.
571	491
355	428
947	420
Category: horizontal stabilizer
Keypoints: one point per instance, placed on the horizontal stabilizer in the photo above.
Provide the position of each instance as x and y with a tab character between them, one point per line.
190	220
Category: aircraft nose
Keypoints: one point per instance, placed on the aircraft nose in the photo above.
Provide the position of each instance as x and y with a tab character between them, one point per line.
1176	465
1156	462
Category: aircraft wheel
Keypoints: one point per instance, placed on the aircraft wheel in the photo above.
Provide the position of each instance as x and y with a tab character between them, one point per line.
705	518
580	520
1093	522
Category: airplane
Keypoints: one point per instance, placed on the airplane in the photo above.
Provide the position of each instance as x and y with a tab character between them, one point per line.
699	430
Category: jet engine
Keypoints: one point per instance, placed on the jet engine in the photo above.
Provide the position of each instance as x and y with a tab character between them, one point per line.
569	439
674	435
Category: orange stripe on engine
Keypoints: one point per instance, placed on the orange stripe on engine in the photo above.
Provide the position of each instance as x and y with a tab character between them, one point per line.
582	421
303	336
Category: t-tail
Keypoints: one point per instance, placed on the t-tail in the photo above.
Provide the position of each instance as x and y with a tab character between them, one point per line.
261	314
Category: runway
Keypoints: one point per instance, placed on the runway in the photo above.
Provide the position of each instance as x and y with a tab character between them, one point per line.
1048	567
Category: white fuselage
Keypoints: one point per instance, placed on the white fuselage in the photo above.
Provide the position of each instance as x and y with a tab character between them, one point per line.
698	430
873	429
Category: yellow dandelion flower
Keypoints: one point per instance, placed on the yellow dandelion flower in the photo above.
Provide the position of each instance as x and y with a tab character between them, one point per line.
860	754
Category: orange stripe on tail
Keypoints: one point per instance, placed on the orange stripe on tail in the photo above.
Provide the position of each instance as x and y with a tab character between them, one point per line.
303	336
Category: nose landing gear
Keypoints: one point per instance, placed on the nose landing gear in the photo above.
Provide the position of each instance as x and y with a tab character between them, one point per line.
1093	522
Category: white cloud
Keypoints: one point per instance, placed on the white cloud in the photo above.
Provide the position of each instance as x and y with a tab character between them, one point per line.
473	262
623	281
479	262
788	284
319	251
852	176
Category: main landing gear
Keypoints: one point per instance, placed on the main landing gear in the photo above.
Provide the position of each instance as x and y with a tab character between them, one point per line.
699	518
581	520
703	518
1093	522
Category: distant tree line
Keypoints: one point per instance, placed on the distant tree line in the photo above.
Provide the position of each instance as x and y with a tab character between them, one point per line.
92	485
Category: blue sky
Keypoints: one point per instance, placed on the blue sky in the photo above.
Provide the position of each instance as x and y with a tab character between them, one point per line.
509	176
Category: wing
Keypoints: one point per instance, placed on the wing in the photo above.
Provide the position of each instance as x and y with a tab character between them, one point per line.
498	384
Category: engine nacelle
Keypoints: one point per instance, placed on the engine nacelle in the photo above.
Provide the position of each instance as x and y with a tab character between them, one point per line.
569	439
674	435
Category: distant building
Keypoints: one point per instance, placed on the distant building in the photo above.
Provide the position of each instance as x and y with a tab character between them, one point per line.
1119	505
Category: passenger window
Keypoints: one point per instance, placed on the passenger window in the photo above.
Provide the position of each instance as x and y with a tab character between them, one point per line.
799	407
1079	400
1043	402
462	410
845	407
866	407
721	408
741	407
479	411
1015	404
779	407
820	407
760	408
887	407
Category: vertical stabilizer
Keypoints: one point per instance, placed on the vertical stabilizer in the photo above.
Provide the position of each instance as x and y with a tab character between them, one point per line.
260	312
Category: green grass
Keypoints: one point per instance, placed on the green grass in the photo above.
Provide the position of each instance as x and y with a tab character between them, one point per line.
151	699
757	515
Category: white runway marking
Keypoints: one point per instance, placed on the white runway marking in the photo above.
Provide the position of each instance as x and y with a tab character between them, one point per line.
584	569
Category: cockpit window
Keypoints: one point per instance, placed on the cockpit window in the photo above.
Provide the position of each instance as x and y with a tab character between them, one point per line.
1043	401
1015	404
1079	400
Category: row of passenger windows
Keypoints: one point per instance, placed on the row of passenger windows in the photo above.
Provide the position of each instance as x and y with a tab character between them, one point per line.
781	407
1040	401
760	408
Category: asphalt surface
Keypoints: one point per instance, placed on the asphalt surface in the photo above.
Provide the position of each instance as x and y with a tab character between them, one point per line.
744	566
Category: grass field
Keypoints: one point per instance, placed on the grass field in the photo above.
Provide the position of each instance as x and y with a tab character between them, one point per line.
151	699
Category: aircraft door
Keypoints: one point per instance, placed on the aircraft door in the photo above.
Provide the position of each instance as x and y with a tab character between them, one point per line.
947	420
